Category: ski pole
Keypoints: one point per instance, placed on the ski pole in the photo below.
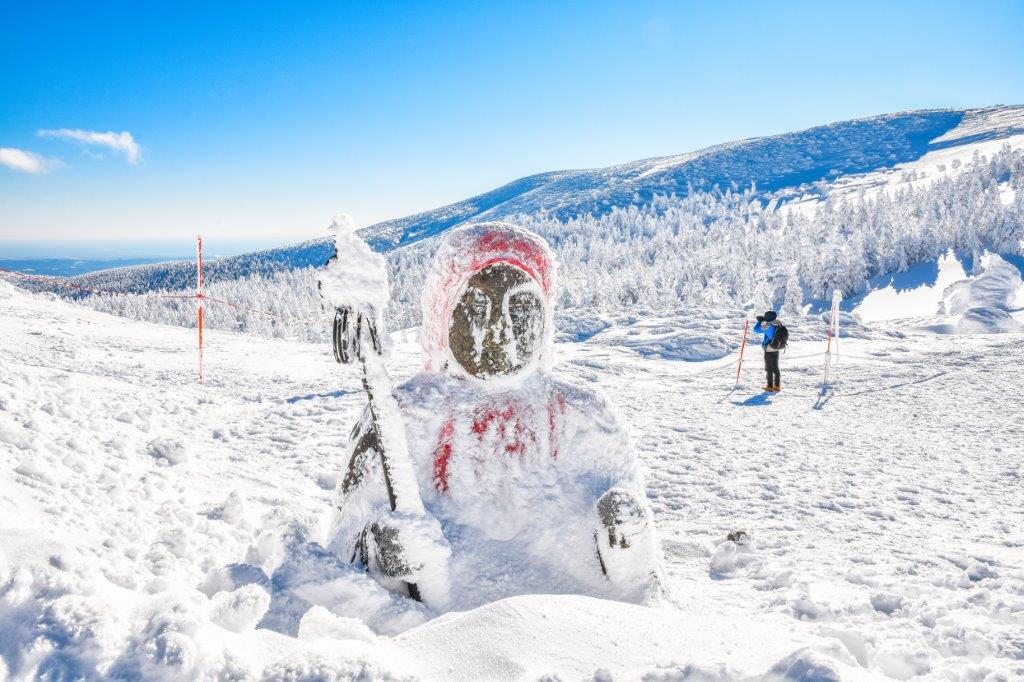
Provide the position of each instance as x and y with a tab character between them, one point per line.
743	346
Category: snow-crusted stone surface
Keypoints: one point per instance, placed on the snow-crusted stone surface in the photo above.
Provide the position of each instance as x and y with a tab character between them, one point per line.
884	518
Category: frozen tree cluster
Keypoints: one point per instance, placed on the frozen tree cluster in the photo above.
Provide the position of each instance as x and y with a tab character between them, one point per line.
715	249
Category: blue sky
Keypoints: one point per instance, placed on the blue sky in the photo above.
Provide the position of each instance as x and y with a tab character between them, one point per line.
254	126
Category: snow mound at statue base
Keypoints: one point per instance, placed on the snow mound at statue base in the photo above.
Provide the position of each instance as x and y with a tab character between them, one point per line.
575	637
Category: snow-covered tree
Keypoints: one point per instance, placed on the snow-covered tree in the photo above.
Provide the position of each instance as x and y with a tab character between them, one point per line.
711	248
793	302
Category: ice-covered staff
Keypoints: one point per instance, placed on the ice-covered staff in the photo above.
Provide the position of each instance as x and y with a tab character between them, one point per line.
354	282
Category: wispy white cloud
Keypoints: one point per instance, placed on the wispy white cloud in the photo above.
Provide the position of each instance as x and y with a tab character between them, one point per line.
121	142
27	162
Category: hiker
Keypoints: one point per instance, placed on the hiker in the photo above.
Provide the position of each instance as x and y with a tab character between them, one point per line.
776	336
532	480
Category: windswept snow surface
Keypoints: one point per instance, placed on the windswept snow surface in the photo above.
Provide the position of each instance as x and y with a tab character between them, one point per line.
148	524
915	293
950	295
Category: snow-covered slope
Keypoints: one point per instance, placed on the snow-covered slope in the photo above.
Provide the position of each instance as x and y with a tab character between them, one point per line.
181	275
796	167
981	132
884	516
773	163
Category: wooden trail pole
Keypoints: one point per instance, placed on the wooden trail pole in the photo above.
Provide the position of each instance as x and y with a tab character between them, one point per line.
743	346
199	300
837	298
828	358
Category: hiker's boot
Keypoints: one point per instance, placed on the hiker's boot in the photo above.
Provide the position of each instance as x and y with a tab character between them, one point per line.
767	388
775	389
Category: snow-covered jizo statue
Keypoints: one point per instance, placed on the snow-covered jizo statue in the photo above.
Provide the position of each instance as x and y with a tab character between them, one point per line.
532	481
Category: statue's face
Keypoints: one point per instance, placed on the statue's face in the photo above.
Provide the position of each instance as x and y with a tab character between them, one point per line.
498	324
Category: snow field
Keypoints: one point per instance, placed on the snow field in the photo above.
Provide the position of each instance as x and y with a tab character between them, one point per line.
887	511
884	517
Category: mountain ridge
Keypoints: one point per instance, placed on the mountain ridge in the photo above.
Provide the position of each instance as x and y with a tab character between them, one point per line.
784	167
918	127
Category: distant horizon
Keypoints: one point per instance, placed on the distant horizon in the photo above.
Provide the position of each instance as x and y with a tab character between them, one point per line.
108	250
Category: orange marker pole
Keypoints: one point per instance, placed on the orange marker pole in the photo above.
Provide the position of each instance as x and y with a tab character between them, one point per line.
743	346
199	300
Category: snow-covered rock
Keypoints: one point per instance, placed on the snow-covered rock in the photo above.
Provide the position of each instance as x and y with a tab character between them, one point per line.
170	449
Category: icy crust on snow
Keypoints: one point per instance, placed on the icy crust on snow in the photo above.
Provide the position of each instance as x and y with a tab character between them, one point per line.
986	320
357	277
696	334
692	335
516	498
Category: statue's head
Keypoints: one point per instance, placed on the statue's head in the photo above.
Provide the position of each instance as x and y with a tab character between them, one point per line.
486	303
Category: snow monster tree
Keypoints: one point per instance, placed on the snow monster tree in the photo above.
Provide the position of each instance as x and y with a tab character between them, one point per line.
532	481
